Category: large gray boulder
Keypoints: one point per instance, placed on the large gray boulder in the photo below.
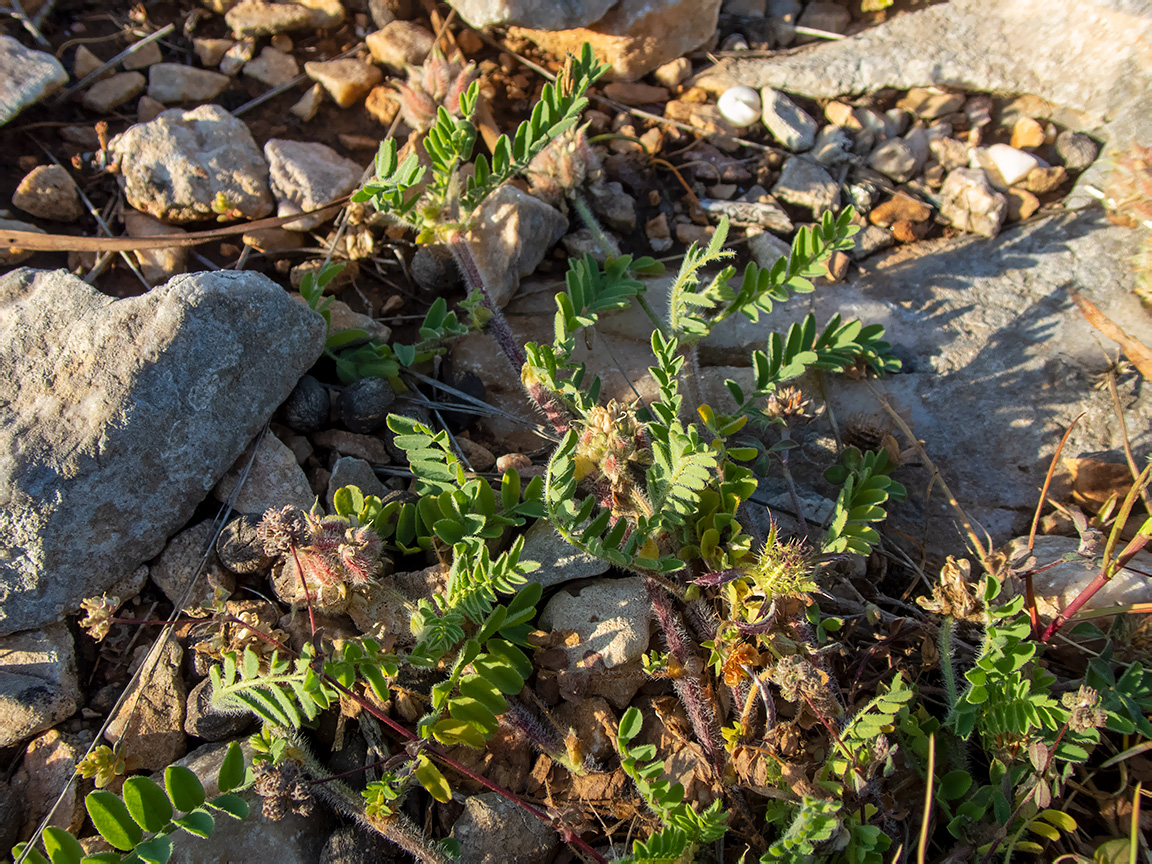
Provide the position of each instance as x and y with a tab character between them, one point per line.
118	416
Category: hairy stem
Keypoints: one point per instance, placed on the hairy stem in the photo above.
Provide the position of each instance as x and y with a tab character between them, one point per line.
498	324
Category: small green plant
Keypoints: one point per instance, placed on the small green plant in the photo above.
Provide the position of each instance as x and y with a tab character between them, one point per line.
143	820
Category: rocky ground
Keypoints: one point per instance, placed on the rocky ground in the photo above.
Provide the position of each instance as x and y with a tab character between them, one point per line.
973	138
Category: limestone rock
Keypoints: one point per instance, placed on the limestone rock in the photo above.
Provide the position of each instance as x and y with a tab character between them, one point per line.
400	44
126	412
611	617
789	124
153	733
26	77
306	175
806	184
493	830
179	564
635	36
38	683
47	191
969	202
512	234
559	560
183	162
350	471
272	67
175	82
894	159
538	14
274	480
156	265
109	94
347	81
253	18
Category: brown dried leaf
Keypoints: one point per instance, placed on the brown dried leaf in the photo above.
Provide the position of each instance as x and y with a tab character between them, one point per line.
1135	350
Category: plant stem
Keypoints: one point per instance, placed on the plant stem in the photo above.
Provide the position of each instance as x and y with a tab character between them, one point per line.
642	301
498	324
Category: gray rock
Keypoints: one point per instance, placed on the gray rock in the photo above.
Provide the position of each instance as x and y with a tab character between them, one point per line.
350	471
806	184
1077	151
894	159
512	234
611	203
870	239
367	447
833	145
767	248
968	201
763	214
949	152
26	77
38	683
400	44
306	175
11	807
789	124
253	18
175	82
559	560
611	617
274	480
294	839
821	15
365	404
181	165
381	12
494	830
203	721
150	722
173	385
784	15
537	14
435	271
352	844
179	564
47	191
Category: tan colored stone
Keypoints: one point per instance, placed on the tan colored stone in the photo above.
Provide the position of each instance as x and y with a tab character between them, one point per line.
111	93
144	57
674	72
211	51
347	81
148	109
635	38
272	241
1027	133
1041	181
156	265
308	104
399	44
9	254
635	92
383	104
842	114
153	734
899	208
1021	204
85	63
272	67
48	192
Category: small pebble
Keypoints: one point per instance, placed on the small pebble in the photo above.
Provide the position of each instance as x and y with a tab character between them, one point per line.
480	458
687	232
175	82
307	407
347	81
894	159
435	270
469	42
740	106
84	63
658	233
148	109
673	73
49	193
308	104
211	51
1041	181
900	208
909	232
236	56
930	104
240	548
272	67
1027	133
1076	150
636	93
787	121
142	58
513	462
364	405
1021	204
109	94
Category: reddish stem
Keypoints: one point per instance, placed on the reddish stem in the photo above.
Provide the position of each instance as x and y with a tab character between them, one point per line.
304	585
1099	581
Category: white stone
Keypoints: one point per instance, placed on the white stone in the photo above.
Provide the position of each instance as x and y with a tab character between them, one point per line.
26	77
1012	164
175	82
308	104
740	106
272	67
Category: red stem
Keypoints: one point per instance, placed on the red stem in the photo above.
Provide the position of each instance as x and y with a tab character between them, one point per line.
304	585
1099	581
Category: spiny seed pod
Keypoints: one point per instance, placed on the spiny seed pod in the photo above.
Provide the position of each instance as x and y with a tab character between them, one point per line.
438	82
283	529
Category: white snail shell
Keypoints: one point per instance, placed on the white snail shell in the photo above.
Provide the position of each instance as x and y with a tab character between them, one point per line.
740	106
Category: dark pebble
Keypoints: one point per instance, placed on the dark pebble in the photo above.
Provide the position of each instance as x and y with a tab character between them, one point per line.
364	406
307	407
435	271
238	547
471	384
354	845
203	722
